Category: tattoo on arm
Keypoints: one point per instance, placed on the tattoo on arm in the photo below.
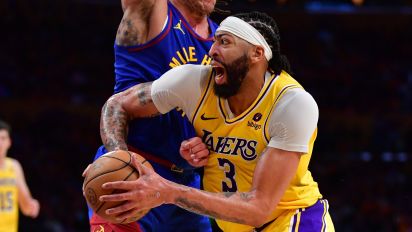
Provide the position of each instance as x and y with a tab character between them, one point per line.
127	34
144	96
228	194
201	207
245	196
113	127
120	109
153	195
135	23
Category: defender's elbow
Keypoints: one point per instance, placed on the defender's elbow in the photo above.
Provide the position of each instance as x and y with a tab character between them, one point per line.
111	103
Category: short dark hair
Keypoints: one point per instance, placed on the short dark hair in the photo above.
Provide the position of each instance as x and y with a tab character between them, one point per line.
267	26
5	126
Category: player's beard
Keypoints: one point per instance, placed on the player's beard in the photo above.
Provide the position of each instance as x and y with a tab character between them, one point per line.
200	7
235	73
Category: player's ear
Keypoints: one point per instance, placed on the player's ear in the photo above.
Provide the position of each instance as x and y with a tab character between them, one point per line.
257	54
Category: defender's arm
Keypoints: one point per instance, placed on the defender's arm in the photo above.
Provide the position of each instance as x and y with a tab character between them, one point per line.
119	109
142	20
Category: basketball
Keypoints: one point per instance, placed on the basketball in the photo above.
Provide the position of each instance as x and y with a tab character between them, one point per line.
112	166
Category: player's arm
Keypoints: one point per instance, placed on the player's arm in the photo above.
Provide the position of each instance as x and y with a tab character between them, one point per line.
142	20
29	206
273	173
178	87
135	102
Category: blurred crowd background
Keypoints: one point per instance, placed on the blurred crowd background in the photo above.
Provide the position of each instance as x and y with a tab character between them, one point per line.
56	71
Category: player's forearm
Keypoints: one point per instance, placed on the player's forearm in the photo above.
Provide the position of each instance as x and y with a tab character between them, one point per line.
113	125
28	205
136	102
239	207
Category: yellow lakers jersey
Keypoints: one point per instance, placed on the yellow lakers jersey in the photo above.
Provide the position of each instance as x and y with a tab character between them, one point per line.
235	145
8	198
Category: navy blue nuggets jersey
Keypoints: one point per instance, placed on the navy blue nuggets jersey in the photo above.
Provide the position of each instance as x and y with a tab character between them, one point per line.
161	136
177	44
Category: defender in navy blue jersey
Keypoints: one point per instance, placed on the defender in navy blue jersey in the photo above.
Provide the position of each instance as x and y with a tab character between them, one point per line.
153	37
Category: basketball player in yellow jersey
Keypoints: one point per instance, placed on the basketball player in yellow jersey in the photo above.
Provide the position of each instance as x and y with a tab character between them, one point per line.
258	123
14	192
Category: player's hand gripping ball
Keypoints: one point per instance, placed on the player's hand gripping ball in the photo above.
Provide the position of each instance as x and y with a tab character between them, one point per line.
112	166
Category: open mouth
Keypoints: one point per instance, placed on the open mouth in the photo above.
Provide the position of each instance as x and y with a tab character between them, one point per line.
219	72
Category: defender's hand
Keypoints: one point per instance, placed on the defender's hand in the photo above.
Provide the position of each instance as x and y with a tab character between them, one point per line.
195	152
84	174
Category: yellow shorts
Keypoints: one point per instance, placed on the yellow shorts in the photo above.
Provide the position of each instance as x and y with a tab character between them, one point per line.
313	218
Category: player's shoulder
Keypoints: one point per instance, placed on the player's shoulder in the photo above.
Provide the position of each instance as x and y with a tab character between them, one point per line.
182	76
299	93
14	163
298	97
202	72
10	160
193	69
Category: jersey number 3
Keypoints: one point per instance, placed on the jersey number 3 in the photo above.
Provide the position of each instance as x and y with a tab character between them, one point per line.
228	184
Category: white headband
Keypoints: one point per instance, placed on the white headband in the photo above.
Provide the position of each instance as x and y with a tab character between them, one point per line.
246	32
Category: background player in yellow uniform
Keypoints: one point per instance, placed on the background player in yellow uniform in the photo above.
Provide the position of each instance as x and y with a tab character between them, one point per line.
258	123
14	192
